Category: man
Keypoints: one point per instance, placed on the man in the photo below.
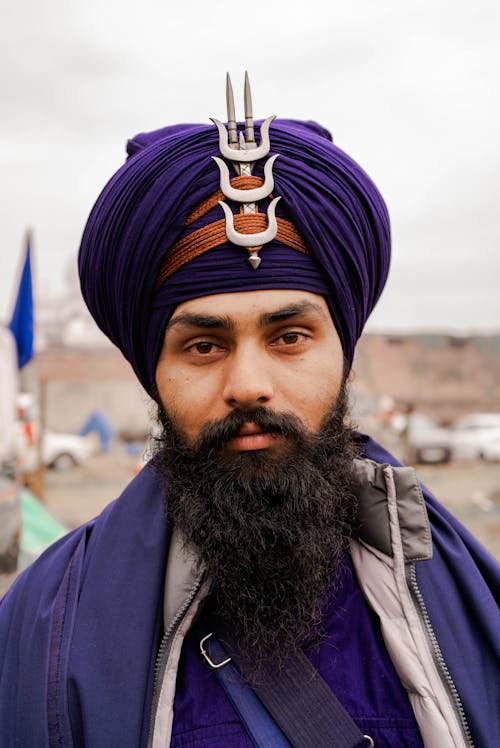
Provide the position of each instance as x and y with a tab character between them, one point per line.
267	551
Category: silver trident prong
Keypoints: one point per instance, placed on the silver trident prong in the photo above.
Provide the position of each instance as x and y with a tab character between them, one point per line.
231	111
244	156
246	196
251	240
249	133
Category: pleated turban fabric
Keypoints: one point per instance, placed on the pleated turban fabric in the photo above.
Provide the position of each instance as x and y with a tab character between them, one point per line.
142	212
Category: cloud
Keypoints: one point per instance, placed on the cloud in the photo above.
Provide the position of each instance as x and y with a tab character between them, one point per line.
409	90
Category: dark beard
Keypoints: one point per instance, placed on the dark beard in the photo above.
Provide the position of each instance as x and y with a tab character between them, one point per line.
270	526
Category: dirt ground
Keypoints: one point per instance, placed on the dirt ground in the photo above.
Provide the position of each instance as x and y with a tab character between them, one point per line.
79	494
470	490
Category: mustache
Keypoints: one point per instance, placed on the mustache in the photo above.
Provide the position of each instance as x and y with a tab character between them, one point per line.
215	434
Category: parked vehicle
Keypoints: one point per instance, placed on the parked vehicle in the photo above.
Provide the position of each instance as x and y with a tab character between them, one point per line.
472	436
64	451
491	452
476	436
429	442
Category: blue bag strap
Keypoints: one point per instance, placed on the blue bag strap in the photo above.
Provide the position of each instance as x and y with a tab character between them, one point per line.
260	726
293	700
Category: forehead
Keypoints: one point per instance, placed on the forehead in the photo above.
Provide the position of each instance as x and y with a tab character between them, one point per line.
251	305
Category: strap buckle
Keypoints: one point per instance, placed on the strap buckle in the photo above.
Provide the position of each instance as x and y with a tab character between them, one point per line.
205	654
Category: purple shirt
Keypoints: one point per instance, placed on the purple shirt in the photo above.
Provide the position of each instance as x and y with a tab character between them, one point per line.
352	659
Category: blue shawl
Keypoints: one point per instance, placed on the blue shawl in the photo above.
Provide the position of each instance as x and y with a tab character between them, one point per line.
86	619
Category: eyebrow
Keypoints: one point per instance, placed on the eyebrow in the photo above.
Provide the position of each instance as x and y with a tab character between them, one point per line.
205	321
223	322
292	310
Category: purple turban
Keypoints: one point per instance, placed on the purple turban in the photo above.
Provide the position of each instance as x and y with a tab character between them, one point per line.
142	211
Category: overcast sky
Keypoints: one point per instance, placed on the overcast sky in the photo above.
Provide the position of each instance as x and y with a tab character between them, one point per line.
409	89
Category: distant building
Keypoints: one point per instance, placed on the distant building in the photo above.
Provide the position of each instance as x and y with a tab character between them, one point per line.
77	370
444	376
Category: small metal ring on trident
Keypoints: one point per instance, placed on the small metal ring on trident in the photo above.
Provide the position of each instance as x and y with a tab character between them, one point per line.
370	740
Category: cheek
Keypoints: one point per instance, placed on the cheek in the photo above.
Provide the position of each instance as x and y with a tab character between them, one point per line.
172	388
320	393
321	404
174	382
189	400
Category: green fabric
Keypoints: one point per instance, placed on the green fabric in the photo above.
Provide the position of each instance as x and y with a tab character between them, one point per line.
39	528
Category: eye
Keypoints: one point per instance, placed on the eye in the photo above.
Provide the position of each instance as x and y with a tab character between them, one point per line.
203	347
290	338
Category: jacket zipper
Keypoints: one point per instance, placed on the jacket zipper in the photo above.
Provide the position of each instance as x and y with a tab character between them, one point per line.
164	652
438	655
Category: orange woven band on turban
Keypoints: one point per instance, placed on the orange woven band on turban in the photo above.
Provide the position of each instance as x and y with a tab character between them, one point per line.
214	234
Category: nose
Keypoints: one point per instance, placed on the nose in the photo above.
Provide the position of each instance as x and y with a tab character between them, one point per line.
248	381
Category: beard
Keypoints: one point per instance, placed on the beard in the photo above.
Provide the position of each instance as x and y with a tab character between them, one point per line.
270	526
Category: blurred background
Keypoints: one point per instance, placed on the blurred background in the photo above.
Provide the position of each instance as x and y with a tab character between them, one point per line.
410	90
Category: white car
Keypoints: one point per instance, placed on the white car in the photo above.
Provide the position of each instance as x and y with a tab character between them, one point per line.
491	452
476	436
430	442
472	436
64	451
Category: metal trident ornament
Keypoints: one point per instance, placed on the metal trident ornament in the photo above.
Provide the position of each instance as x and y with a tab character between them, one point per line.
243	151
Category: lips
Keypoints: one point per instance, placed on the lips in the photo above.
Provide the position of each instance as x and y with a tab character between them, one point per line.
249	428
251	437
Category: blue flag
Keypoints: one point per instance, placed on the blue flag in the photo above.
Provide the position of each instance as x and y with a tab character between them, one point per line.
21	323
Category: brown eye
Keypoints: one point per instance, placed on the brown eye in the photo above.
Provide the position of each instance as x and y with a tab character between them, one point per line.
292	341
290	338
204	347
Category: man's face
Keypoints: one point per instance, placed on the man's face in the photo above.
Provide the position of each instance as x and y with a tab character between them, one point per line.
276	348
257	458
